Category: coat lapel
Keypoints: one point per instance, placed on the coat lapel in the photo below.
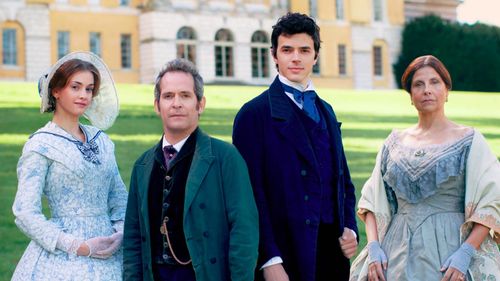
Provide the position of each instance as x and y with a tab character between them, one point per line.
288	123
144	171
333	127
202	160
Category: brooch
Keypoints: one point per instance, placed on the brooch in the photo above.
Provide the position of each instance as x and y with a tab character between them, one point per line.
419	153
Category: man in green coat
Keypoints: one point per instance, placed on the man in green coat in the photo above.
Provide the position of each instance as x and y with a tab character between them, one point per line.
191	214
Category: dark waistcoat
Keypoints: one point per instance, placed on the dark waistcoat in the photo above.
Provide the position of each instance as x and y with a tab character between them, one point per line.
321	195
166	198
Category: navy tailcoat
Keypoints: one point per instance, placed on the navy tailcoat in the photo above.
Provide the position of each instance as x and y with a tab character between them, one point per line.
283	169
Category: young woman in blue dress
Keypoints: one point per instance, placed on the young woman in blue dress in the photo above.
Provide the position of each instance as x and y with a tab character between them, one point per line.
73	166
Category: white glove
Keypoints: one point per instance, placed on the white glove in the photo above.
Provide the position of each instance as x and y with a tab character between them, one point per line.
97	244
68	243
116	242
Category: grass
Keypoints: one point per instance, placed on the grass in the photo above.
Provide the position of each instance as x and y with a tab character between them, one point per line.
367	116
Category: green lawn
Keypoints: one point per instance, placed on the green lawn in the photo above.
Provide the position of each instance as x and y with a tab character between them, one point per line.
367	116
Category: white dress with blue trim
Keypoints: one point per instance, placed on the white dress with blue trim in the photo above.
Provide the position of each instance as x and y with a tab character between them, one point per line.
86	197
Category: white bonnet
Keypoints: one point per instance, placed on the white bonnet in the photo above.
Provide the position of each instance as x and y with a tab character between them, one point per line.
104	108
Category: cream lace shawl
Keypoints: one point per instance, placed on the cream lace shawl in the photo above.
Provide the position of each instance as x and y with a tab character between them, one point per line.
482	205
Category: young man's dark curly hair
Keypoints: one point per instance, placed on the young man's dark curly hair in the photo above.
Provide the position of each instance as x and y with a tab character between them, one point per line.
294	23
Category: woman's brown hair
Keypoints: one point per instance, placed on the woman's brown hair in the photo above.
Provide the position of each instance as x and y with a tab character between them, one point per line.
422	62
62	75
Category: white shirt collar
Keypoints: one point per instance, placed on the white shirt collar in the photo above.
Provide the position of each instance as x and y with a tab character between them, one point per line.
298	86
177	146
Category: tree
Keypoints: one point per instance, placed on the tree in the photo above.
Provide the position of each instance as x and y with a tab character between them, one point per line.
470	52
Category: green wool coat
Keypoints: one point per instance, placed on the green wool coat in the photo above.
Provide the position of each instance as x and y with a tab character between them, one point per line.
220	216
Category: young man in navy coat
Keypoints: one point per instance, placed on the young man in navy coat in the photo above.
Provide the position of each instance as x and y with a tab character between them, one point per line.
291	142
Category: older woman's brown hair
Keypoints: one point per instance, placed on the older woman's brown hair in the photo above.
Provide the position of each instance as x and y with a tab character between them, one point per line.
422	62
65	71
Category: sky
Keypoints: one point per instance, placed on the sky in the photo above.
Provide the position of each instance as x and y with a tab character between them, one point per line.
485	11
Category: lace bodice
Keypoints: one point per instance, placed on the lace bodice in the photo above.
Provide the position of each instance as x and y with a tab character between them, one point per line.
415	173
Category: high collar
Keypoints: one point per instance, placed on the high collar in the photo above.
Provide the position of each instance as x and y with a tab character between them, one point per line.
188	146
178	146
298	86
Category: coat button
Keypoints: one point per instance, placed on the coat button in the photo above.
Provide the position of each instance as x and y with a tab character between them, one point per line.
165	192
308	221
165	244
213	260
167	177
165	206
202	206
205	234
303	172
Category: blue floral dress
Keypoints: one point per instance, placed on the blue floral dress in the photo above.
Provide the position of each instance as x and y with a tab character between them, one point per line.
86	197
426	192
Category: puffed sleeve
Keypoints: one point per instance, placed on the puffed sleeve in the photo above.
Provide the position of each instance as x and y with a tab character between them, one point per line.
27	208
117	198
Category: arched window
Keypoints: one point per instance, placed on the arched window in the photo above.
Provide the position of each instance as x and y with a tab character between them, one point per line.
224	43
260	55
186	44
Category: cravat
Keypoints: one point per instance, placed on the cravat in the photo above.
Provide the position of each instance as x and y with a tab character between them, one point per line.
307	99
169	152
